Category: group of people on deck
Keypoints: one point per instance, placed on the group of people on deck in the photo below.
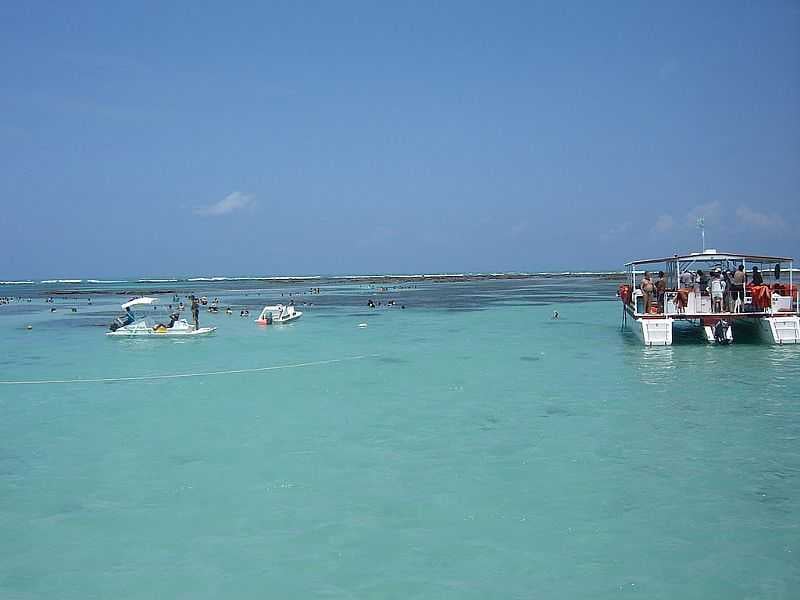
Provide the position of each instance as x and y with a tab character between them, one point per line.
726	288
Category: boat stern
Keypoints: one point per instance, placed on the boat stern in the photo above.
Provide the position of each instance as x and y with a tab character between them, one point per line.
653	331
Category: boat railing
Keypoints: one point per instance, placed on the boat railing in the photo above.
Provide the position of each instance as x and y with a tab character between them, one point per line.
699	303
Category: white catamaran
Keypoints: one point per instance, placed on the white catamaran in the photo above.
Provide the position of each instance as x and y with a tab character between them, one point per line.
721	292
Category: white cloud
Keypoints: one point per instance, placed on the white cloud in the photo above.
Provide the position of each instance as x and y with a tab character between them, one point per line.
230	203
664	223
616	231
748	216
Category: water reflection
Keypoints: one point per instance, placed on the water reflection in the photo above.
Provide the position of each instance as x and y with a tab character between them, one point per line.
784	359
655	364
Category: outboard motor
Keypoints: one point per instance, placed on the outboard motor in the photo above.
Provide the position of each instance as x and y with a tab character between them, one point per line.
721	332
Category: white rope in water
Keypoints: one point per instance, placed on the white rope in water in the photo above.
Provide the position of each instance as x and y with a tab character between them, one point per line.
184	375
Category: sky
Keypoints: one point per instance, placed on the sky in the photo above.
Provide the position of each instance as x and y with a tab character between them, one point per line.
275	138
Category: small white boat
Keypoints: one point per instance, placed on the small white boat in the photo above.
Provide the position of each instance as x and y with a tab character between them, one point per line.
278	315
146	321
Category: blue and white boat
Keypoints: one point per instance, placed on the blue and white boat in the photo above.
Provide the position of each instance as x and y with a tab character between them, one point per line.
141	318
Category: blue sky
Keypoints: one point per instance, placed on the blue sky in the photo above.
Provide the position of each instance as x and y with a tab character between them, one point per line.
363	137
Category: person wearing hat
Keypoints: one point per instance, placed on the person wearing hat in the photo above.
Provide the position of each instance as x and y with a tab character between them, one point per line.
717	288
687	278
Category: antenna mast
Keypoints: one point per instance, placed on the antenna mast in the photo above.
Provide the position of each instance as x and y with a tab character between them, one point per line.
701	225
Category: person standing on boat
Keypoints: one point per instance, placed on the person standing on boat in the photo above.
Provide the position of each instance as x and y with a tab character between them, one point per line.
738	282
727	280
700	283
717	287
196	312
757	279
661	290
647	288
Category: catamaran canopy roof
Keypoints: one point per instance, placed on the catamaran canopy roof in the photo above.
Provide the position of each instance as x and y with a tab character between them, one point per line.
713	255
139	302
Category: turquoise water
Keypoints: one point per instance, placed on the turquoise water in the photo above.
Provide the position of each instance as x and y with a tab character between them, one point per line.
465	447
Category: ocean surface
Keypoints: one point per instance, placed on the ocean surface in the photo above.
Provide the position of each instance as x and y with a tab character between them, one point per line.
465	446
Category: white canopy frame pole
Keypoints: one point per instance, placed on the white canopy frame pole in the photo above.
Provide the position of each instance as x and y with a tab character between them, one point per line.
744	291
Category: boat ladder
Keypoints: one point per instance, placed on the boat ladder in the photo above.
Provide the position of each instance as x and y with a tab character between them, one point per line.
786	330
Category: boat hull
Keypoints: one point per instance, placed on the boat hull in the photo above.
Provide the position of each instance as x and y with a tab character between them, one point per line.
139	331
278	314
651	332
162	334
781	330
285	321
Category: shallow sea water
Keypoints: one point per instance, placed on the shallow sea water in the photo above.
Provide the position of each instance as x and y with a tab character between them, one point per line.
469	447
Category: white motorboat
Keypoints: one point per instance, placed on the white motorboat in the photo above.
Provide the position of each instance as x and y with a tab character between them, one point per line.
142	319
278	314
